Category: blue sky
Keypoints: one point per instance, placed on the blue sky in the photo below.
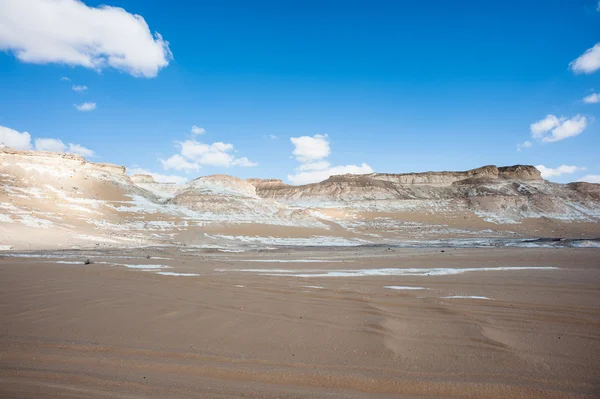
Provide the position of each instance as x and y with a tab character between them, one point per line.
388	86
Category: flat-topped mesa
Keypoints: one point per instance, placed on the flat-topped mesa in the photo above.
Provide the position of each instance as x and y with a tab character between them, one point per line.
489	172
266	183
46	159
141	178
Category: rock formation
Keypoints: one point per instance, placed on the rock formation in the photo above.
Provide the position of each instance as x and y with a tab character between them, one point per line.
51	199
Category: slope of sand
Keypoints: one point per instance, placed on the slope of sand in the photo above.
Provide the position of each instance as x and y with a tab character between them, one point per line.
241	325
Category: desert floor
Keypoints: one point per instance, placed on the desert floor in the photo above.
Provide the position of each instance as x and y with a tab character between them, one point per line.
256	325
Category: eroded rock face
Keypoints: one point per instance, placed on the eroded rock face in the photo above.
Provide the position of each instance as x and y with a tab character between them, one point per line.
51	196
386	186
139	178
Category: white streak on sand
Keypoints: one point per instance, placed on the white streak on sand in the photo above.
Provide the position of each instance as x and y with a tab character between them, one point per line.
69	262
178	274
314	286
136	266
400	287
381	272
465	297
287	260
240	286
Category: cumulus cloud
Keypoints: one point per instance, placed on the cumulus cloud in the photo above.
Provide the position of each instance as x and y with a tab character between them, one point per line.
53	145
311	151
158	177
588	62
69	32
198	130
14	139
56	145
593	98
552	128
591	179
308	149
559	171
79	88
178	162
194	154
525	144
85	107
22	141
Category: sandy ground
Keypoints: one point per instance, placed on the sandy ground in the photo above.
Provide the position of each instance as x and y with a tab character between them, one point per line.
105	330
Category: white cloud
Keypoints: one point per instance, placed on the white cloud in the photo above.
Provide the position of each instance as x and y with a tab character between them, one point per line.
318	165
526	144
545	125
80	150
588	62
598	8
244	163
561	170
591	179
216	154
14	139
558	128
194	154
315	176
69	32
198	130
158	177
178	162
64	78
569	128
56	145
79	88
273	137
311	151
308	149
53	145
592	98
85	107
22	141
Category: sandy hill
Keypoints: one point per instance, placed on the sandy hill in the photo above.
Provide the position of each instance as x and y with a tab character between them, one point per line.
52	200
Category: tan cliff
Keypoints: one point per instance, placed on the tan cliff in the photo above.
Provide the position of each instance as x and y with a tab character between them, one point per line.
50	198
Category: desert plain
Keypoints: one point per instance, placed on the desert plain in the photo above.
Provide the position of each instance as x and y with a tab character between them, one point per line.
363	322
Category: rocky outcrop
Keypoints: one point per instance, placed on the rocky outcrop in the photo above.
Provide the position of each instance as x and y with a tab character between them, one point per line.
53	192
56	162
139	178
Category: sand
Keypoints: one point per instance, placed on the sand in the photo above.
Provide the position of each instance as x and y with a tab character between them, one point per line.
105	330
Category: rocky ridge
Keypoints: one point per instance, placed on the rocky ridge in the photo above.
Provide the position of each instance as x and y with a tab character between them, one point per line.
45	195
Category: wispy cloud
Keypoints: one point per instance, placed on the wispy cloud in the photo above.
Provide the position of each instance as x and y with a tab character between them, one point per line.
588	62
79	88
526	144
85	107
198	130
593	98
